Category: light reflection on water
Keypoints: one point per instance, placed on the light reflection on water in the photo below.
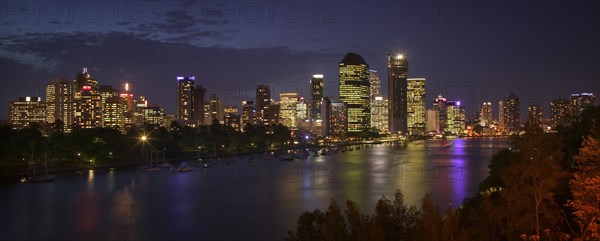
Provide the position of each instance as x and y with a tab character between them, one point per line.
259	200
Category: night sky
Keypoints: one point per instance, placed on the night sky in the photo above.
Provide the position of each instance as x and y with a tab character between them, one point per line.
468	51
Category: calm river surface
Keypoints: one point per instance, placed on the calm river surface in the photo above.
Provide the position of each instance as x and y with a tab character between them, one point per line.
239	199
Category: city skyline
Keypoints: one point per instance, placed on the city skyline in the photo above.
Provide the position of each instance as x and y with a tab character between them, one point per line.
472	59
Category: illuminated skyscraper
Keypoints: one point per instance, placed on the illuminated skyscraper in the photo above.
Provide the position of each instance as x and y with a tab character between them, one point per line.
316	95
415	104
25	111
88	107
185	97
397	90
501	122
263	100
214	111
439	106
560	112
455	118
433	121
355	91
379	114
485	114
535	116
113	113
512	114
248	114
375	82
60	102
190	99
232	118
335	117
580	101
153	115
199	112
287	109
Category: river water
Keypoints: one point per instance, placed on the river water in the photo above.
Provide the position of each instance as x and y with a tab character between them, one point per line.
240	199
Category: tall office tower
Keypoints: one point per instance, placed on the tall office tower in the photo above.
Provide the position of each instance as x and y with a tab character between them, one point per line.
375	82
397	90
127	96
535	116
60	102
248	114
199	112
301	109
455	118
263	99
138	111
355	91
107	91
439	105
153	115
231	118
26	110
335	117
433	121
213	110
317	85
88	107
302	121
379	114
287	109
580	101
560	113
415	106
485	114
186	101
511	114
274	112
113	113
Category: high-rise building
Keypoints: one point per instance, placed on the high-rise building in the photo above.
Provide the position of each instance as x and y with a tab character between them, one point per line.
397	91
287	109
199	111
60	102
439	105
186	101
88	107
379	114
248	114
263	100
355	91
415	106
26	110
580	101
535	116
302	121
213	110
485	114
154	115
560	113
511	114
113	113
274	112
231	118
455	118
335	117
433	121
317	86
375	82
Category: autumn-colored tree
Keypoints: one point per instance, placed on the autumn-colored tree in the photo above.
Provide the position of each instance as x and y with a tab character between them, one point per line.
526	205
585	187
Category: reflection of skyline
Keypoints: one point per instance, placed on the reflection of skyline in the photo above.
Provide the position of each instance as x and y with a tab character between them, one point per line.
110	205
